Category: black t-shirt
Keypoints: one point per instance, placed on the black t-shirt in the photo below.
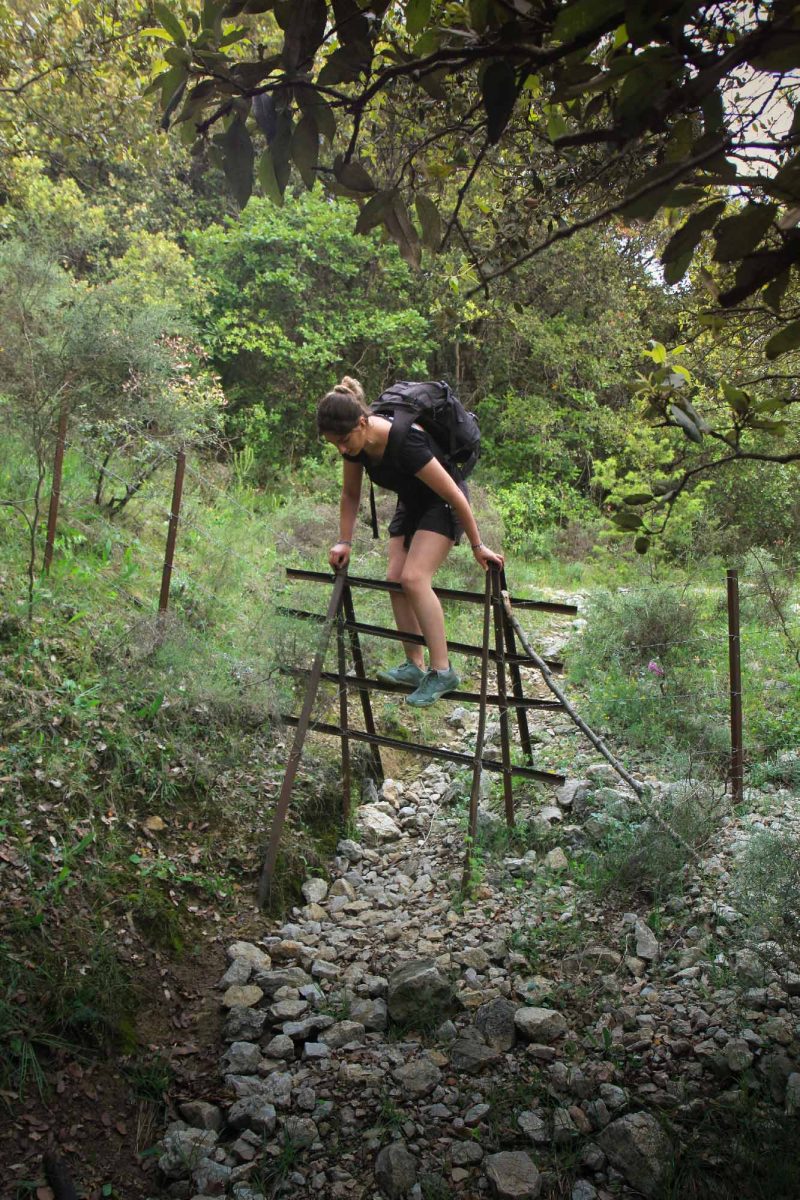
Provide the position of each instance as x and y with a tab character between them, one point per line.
397	473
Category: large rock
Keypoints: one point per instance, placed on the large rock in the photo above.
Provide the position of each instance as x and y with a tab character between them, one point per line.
512	1175
376	826
419	994
315	890
184	1149
638	1147
255	1113
418	1078
496	1022
646	943
247	952
540	1024
395	1170
471	1057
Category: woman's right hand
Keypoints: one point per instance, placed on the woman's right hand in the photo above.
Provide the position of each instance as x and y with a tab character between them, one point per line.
339	556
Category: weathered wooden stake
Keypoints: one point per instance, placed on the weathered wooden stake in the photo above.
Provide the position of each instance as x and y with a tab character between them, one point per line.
172	531
735	673
55	490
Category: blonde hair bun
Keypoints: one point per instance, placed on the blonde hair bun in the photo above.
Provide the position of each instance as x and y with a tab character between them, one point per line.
352	386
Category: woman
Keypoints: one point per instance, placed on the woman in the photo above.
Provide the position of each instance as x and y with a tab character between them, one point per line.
433	511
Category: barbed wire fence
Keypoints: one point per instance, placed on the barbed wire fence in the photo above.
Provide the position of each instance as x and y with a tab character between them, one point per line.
173	584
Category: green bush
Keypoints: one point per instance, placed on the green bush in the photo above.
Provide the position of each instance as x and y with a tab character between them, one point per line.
767	885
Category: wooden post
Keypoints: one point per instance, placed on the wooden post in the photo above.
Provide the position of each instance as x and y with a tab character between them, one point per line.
516	676
735	674
172	531
344	720
358	664
474	796
55	490
271	857
505	746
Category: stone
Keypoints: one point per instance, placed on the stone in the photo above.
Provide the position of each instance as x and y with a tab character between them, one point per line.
280	1047
465	1154
738	1055
556	859
471	1057
513	1175
582	1189
277	1089
342	887
300	1131
457	718
242	1058
350	850
646	942
300	1031
540	1024
377	827
639	1148
252	1113
342	1033
246	996
244	1024
792	1099
534	1127
211	1178
314	890
418	1078
184	1148
418	992
496	1022
238	972
372	1014
201	1115
395	1170
257	958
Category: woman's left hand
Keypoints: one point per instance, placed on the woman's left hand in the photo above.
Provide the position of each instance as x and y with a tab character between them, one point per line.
487	558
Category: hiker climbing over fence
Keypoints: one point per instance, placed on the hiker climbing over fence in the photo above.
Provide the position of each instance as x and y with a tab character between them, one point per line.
418	441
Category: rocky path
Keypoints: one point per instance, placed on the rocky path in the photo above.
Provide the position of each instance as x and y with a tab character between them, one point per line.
392	1040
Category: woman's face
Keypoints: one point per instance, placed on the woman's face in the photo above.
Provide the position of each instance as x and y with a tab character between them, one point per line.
352	442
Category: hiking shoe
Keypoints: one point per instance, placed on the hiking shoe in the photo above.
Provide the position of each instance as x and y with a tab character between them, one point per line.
432	686
408	672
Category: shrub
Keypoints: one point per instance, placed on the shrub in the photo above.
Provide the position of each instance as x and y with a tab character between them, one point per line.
767	885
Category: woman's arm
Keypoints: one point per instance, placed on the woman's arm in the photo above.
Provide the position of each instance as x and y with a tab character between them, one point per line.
438	480
352	473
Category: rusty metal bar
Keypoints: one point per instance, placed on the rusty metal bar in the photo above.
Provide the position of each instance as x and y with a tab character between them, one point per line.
55	489
383	585
456	756
343	715
735	673
474	795
505	743
516	678
522	660
358	664
172	531
403	689
303	723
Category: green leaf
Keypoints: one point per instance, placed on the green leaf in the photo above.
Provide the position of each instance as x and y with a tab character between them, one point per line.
499	90
156	33
785	339
237	160
478	14
583	16
686	423
268	179
374	211
400	228
305	149
430	221
740	234
737	398
315	105
681	246
627	521
170	23
418	14
774	293
353	175
638	498
641	544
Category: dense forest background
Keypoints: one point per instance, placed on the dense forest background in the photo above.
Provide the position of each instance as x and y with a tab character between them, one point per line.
182	271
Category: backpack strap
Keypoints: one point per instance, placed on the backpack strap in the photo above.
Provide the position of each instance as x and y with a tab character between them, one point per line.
373	511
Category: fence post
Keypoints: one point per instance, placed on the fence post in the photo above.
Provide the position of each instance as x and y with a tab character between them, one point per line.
55	490
172	531
735	674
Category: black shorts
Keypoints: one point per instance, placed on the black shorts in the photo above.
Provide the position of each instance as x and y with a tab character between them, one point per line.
437	517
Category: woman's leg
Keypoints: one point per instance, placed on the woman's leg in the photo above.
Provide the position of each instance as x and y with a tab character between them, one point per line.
404	617
427	553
